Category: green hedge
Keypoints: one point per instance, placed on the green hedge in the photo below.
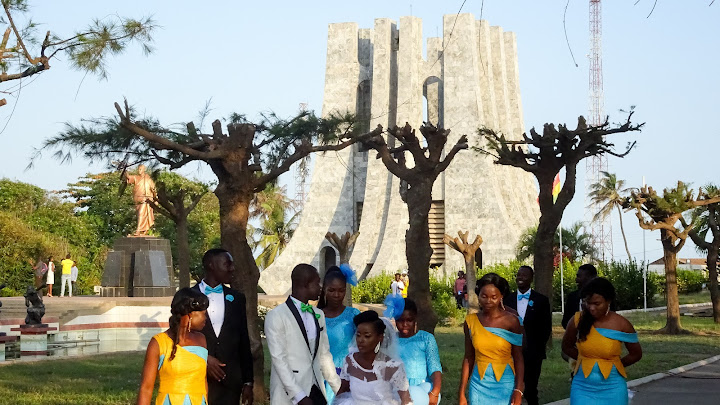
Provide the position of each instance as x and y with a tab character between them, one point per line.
688	281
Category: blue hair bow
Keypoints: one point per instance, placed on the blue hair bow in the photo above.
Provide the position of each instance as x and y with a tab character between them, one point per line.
395	306
349	274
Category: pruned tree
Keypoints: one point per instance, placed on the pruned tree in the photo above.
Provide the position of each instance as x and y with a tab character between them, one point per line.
244	160
468	250
707	223
655	212
417	177
86	50
608	194
344	245
544	155
176	198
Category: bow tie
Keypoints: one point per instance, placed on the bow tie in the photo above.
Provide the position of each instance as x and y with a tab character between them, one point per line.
525	296
218	289
309	309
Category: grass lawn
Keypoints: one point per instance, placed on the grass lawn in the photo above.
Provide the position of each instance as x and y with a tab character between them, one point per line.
113	379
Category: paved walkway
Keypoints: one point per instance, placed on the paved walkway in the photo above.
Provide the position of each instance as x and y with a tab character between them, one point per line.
699	386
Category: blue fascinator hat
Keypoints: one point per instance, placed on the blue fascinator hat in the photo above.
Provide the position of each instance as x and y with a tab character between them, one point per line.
349	274
395	306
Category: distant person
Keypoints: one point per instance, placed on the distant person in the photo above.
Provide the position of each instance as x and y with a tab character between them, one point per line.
74	275
178	356
338	317
573	302
298	343
397	286
459	289
533	309
40	269
595	337
230	362
50	276
406	282
66	275
493	362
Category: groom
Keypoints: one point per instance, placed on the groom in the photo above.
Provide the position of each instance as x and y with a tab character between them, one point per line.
230	363
298	345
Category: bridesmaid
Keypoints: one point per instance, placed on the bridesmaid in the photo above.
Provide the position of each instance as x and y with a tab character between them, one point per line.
493	350
338	317
178	356
419	352
595	338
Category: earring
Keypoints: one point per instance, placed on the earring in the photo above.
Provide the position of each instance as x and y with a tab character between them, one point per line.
608	310
502	305
189	323
377	348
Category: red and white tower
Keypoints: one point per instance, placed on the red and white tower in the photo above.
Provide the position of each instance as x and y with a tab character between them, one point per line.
600	230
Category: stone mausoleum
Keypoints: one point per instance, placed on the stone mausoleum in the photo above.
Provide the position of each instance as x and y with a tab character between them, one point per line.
469	79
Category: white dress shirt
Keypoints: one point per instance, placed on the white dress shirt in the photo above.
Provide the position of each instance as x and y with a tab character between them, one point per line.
522	304
216	309
310	329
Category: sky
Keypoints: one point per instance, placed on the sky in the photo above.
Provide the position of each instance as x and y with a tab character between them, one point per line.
252	57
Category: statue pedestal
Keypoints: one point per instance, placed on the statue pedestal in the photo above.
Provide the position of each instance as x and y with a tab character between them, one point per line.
139	267
3	340
33	340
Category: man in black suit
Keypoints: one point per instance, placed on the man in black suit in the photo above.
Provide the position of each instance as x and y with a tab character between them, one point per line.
573	303
534	311
230	363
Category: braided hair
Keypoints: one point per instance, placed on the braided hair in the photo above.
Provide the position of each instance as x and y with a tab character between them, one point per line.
185	301
333	273
602	287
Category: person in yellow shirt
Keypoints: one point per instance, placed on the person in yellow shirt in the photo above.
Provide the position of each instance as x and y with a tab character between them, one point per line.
66	276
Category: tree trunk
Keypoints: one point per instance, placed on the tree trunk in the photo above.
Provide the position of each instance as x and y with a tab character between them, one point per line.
712	258
672	325
543	254
234	214
418	252
183	246
471	282
622	231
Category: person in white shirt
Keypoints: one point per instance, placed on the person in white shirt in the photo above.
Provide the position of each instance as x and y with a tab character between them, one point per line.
298	345
397	286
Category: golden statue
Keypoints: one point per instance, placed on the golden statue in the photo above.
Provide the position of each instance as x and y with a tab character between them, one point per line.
143	190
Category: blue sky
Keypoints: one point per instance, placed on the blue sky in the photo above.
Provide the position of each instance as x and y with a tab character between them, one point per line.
250	57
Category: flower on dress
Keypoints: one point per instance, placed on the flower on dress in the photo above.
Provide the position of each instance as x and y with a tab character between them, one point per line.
230	298
530	303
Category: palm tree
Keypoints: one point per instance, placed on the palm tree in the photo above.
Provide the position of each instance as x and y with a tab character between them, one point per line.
608	194
576	243
272	207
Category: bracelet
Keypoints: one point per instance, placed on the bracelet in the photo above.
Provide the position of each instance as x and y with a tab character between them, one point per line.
434	394
521	393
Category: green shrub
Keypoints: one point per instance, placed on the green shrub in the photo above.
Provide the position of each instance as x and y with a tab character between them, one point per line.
445	307
690	281
373	290
628	281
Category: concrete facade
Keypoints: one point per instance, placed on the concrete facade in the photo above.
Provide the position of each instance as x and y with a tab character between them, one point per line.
468	80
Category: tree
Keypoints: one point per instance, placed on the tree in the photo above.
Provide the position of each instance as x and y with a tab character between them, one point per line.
655	212
177	197
608	193
344	245
416	182
543	155
271	206
245	160
461	244
576	243
707	221
86	50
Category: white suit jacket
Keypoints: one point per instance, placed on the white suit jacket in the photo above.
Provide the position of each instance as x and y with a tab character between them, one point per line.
292	363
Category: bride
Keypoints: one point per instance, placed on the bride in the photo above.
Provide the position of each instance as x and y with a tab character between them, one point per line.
373	373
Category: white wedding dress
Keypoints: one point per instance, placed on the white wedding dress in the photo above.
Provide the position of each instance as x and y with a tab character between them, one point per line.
380	385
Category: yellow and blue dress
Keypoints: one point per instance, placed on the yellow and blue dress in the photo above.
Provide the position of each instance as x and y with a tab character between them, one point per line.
340	331
182	380
493	377
599	373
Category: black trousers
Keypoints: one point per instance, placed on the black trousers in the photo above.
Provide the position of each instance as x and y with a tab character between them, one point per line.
219	394
459	300
533	366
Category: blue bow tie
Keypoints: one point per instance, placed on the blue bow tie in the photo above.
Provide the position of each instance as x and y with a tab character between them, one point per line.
209	290
521	297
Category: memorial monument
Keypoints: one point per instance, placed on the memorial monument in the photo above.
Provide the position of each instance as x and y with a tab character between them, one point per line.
139	265
469	79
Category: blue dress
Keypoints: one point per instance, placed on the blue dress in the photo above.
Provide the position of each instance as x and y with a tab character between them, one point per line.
600	376
340	331
421	357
